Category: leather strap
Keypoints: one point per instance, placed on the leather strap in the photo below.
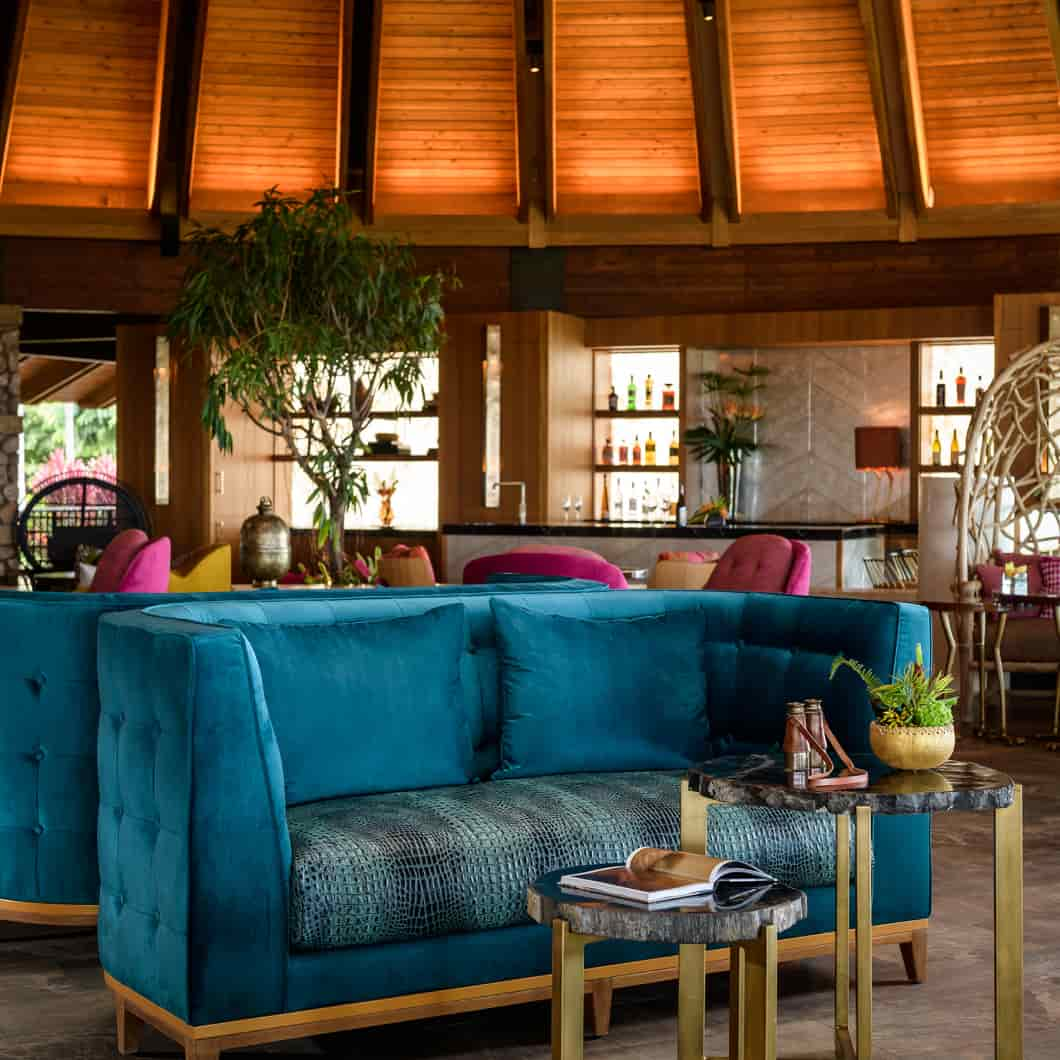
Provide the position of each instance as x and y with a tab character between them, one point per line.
851	777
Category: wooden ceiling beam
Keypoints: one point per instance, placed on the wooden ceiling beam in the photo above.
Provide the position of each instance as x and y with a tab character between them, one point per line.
42	380
16	20
368	203
189	63
722	24
159	105
1052	20
345	88
548	17
523	115
709	142
914	107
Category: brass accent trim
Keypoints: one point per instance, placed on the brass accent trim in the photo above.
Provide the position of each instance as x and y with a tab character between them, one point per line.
51	914
1008	929
863	949
842	922
691	1001
568	992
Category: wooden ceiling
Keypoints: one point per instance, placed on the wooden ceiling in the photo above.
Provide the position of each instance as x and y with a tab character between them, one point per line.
537	122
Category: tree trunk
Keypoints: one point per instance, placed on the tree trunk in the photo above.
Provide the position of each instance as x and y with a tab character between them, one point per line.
337	513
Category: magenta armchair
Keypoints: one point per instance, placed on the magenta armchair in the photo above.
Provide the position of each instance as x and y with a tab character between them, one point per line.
546	562
763	563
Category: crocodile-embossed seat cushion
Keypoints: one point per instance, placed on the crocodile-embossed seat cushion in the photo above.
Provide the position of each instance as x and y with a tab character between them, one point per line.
408	865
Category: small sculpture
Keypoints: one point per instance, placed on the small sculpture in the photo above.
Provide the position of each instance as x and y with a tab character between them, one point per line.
386	508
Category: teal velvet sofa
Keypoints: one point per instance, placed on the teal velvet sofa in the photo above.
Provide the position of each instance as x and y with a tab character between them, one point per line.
251	891
49	715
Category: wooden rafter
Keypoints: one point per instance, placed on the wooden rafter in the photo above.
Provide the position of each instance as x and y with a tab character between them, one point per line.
548	15
523	115
187	167
881	104
368	207
1052	20
727	95
706	145
10	86
914	107
345	88
162	64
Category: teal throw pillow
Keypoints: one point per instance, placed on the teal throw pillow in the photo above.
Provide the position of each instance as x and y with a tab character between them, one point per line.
593	695
364	707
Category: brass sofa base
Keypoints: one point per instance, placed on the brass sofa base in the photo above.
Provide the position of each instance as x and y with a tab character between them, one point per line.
50	914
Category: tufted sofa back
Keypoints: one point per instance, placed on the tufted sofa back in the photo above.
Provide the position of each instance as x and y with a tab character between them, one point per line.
49	715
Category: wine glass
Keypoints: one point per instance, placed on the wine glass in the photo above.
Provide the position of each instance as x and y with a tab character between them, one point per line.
577	508
566	508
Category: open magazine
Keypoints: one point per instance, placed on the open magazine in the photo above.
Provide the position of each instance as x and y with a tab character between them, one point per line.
651	876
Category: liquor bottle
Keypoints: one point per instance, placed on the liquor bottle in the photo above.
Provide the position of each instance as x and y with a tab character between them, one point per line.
962	383
623	453
649	450
675	451
617	508
682	506
940	391
612	400
633	503
955	450
636	449
649	387
980	390
669	400
631	396
605	504
607	456
936	450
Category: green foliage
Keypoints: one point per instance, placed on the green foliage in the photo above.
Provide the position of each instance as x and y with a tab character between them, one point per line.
306	322
729	435
96	431
913	698
44	427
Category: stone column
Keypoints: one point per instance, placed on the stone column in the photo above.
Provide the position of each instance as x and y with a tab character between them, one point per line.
10	432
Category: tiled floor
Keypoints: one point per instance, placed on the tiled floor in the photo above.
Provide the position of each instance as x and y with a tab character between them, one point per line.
53	1005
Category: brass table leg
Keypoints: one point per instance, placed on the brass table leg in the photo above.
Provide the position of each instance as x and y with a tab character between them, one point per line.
863	943
753	1009
691	971
951	640
844	1048
568	992
981	618
1008	930
999	669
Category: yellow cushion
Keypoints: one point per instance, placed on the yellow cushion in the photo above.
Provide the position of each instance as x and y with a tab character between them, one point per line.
206	570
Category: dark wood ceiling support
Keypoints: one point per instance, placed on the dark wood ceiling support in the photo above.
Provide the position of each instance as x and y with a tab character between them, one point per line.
342	131
358	19
524	114
548	16
914	107
722	24
13	24
702	99
372	122
187	69
43	380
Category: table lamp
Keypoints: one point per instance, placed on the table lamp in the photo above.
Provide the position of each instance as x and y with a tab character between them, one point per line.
879	450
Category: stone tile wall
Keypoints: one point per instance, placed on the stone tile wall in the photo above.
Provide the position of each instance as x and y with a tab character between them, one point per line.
814	399
10	430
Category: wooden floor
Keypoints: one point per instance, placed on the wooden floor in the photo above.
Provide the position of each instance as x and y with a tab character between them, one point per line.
53	1005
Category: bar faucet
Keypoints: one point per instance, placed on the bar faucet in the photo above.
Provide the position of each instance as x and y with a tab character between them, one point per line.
522	497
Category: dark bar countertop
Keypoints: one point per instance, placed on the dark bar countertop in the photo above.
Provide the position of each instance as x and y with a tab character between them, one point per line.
588	528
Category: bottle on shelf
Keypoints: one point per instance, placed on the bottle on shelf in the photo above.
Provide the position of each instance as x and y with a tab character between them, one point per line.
649	450
962	384
955	450
623	453
649	388
612	400
631	396
605	503
936	450
940	391
669	398
617	506
636	449
607	454
980	390
633	503
682	506
675	451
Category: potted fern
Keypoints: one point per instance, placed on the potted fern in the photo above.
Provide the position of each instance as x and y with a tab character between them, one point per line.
913	728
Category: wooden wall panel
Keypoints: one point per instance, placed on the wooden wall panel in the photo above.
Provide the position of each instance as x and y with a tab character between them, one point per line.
989	87
1018	323
625	127
84	102
569	444
268	100
803	102
445	139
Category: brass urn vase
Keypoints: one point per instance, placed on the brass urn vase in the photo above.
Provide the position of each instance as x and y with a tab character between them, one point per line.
265	547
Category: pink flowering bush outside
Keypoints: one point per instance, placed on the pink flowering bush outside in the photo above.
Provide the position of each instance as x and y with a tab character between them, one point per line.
58	466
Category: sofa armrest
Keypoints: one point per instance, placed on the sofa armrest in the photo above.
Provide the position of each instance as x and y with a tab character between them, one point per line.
194	851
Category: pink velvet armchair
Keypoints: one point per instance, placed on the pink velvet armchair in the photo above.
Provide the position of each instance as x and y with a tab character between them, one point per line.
763	563
547	562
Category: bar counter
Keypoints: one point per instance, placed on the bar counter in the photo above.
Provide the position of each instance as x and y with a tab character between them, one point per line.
838	549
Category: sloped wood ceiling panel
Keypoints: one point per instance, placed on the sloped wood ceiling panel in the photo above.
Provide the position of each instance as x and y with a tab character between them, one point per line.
268	105
625	129
84	103
989	91
803	102
446	127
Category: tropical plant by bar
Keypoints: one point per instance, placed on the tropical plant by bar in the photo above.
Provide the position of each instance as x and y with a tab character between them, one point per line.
305	323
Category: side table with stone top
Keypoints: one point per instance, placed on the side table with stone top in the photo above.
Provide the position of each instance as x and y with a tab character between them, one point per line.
750	930
758	780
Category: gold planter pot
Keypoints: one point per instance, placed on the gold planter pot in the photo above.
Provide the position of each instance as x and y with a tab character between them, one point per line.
912	748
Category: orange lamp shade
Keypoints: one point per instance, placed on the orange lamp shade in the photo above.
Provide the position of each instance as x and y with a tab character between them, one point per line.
877	448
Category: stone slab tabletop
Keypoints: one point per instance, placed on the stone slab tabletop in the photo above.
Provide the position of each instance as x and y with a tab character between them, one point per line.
758	780
693	924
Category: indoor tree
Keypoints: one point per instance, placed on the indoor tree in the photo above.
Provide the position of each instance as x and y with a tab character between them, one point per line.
305	322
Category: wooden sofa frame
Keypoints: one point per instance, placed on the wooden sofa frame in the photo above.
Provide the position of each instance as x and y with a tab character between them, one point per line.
207	1042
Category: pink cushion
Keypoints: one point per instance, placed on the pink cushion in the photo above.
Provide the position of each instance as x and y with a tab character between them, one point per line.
549	562
690	557
763	563
149	570
1050	568
558	550
116	559
1030	560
